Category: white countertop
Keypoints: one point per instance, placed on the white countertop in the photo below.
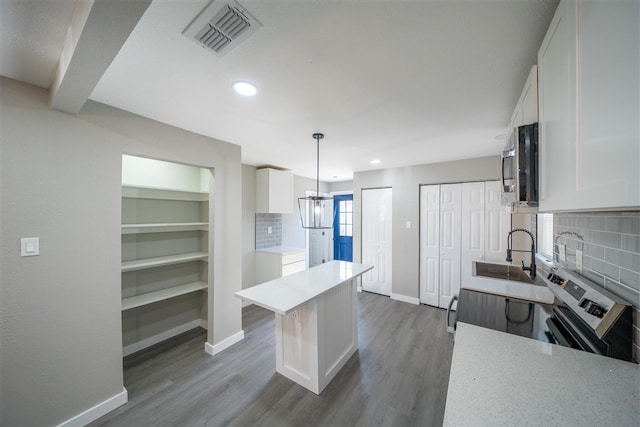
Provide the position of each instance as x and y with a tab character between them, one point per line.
501	379
509	288
287	293
283	250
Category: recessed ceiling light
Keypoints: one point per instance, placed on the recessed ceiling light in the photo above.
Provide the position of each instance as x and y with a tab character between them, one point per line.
244	88
375	161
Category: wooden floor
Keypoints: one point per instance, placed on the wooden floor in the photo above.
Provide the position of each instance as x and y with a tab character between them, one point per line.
398	377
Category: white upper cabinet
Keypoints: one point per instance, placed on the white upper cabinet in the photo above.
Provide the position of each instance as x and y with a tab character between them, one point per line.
529	98
274	191
526	110
589	86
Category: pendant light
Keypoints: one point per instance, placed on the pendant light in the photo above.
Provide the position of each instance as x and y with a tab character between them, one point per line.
316	212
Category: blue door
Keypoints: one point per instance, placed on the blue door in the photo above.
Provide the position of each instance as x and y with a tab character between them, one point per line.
343	227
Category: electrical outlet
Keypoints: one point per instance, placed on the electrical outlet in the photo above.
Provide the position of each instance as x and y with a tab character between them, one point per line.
579	260
562	253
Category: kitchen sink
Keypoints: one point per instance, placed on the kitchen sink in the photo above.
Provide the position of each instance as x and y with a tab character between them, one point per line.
501	271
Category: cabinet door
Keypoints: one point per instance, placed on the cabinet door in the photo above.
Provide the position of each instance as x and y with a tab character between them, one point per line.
516	117
529	98
429	243
556	86
274	191
608	143
450	221
473	227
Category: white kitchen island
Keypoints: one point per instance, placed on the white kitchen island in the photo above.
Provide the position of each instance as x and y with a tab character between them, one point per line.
316	320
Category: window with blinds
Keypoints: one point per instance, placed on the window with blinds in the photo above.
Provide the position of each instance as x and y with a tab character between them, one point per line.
545	234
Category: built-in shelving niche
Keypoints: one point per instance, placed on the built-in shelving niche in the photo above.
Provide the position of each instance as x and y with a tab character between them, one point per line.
165	250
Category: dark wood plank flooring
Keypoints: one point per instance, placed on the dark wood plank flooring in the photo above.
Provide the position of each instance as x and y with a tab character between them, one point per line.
398	377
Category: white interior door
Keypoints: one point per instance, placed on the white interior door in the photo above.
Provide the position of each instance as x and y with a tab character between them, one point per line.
473	227
429	243
377	239
497	224
450	221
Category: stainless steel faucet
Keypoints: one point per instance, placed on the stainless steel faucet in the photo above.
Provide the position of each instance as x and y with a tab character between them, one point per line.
532	268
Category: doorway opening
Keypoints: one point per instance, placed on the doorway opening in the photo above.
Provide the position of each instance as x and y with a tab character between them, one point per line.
343	227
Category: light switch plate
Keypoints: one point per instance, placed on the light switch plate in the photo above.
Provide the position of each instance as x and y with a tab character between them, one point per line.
408	225
30	246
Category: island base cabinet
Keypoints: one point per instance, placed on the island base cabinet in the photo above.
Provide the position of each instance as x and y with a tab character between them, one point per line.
317	339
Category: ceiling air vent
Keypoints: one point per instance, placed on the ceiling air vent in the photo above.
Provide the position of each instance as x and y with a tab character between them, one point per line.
222	26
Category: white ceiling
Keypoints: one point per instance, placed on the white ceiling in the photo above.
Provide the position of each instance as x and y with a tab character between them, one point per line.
406	82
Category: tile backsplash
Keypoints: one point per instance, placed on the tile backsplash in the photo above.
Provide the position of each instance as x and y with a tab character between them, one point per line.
264	239
610	243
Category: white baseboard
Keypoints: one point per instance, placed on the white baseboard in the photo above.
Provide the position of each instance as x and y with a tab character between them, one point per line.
98	410
148	342
404	298
224	344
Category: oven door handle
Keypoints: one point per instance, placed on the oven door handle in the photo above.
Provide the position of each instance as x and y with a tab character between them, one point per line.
451	328
562	339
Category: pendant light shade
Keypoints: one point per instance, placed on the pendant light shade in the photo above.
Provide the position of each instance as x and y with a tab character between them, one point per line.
316	211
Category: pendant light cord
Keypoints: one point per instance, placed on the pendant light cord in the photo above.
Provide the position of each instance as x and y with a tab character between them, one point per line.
317	164
318	136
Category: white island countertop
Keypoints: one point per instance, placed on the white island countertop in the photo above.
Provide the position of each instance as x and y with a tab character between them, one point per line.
287	293
502	379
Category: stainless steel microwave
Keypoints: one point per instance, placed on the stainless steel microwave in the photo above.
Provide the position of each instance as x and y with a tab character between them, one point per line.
520	168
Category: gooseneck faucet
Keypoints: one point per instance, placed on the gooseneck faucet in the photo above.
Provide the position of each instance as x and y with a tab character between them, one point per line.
532	267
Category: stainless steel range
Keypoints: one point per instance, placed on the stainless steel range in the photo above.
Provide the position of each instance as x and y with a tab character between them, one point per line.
584	316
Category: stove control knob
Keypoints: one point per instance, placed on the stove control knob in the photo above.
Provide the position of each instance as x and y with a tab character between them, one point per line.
554	278
596	310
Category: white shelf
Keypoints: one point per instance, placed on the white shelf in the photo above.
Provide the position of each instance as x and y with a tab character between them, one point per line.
164	227
141	264
139	192
151	297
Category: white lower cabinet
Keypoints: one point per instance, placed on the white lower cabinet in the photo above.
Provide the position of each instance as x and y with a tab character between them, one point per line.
459	223
273	263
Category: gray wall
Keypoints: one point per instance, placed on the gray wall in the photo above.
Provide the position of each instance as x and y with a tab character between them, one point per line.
61	348
248	226
340	186
405	183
